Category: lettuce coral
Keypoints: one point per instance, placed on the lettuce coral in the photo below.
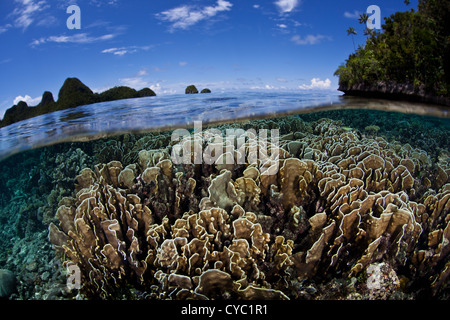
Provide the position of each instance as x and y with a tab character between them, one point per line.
338	204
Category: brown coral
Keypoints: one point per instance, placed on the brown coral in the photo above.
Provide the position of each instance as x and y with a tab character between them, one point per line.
111	236
333	203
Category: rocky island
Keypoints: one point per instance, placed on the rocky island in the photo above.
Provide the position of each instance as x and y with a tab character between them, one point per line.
72	94
409	59
191	89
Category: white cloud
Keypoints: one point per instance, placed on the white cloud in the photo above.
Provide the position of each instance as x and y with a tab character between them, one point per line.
135	82
256	6
138	80
125	50
47	21
100	3
5	28
77	38
159	69
309	39
157	88
316	83
182	63
281	80
352	15
282	26
142	73
27	12
286	6
30	101
185	16
138	83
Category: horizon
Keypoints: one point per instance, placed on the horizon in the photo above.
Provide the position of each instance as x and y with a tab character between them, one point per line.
223	45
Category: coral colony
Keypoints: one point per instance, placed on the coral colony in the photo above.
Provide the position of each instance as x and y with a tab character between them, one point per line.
363	217
238	147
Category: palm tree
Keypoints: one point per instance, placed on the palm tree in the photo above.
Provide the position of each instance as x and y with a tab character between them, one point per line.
351	31
363	18
369	32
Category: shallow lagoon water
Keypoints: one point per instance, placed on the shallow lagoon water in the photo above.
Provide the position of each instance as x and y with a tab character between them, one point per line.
43	156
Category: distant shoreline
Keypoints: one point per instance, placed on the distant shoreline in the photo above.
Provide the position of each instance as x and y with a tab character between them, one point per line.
392	91
75	93
72	94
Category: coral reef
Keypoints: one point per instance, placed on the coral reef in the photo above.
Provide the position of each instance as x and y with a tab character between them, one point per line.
129	245
340	206
337	209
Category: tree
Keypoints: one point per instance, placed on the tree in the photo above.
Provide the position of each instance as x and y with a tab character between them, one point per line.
351	31
369	32
412	49
363	18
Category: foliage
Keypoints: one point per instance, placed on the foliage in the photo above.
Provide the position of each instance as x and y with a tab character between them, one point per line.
123	92
413	48
191	89
146	92
74	93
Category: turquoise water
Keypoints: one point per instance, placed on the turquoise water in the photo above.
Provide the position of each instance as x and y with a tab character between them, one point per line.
356	205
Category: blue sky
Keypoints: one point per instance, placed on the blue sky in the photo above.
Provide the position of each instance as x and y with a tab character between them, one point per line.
169	44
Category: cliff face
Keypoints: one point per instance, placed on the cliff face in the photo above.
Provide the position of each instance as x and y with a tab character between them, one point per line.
391	90
72	94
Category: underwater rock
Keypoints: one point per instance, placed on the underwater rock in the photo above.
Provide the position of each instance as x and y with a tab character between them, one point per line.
7	283
191	89
381	281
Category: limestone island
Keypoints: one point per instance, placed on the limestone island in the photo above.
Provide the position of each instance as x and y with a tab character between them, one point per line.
72	94
193	90
409	59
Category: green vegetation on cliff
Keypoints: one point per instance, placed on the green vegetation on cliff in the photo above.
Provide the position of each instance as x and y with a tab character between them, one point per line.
191	89
412	53
72	94
122	92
